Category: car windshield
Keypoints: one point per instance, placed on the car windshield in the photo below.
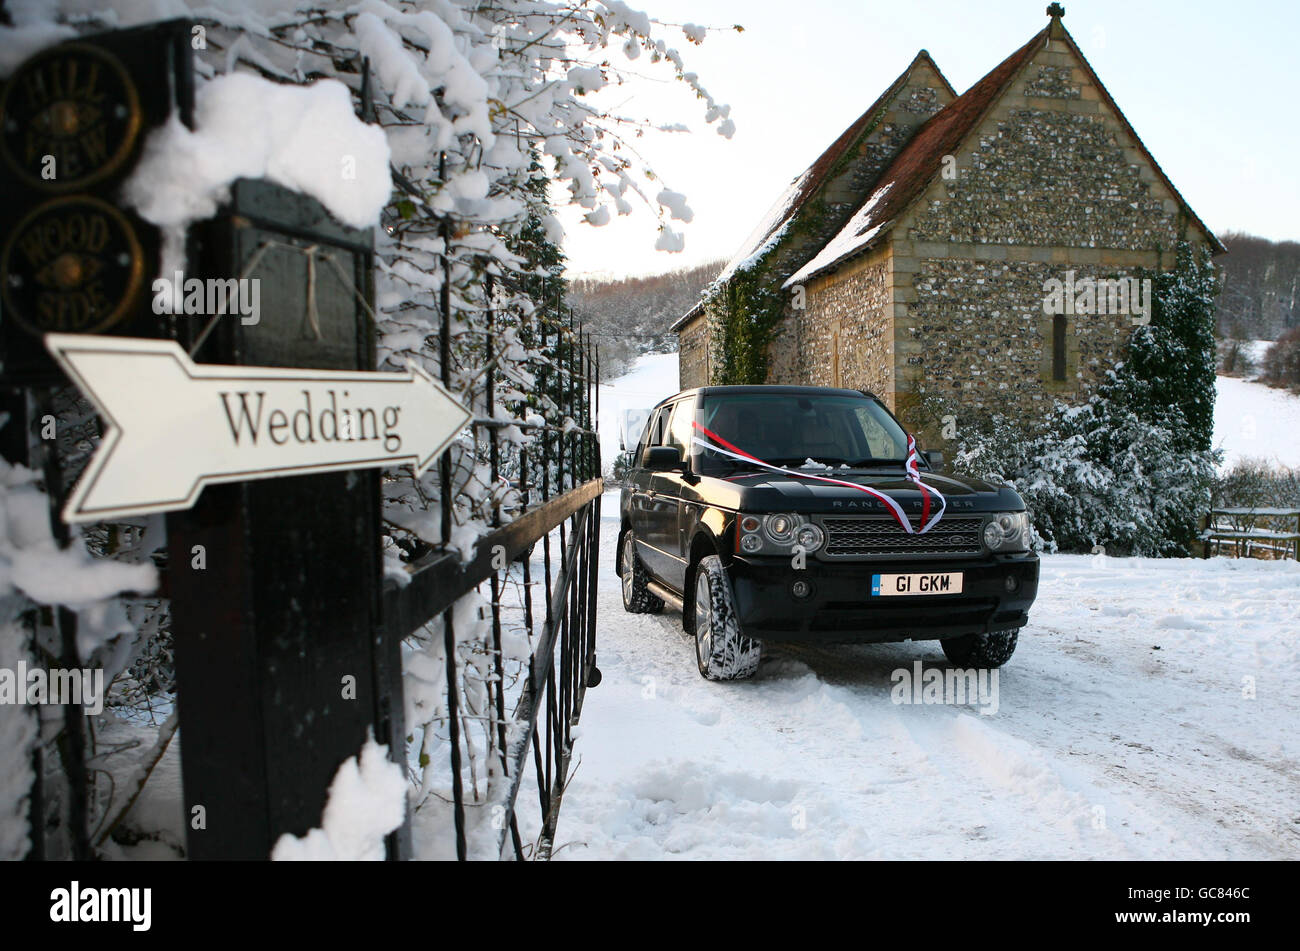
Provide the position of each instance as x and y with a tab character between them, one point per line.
795	430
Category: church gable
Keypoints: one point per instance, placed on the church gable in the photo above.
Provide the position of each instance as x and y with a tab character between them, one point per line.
848	171
1035	153
915	166
1054	163
1032	175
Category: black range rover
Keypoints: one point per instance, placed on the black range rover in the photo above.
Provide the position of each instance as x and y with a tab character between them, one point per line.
787	513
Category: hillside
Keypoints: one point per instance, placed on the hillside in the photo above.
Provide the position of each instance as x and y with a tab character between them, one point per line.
632	314
1261	287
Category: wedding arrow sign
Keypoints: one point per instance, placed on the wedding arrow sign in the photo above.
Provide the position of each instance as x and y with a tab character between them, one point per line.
174	426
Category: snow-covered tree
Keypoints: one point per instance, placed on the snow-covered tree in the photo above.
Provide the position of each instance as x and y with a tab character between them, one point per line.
1171	360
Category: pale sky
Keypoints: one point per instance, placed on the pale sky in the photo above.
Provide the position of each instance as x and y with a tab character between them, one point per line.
1213	89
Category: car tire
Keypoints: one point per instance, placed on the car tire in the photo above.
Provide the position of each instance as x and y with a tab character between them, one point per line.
722	651
981	650
637	598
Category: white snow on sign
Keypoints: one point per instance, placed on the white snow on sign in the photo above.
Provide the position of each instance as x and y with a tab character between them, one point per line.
175	426
306	138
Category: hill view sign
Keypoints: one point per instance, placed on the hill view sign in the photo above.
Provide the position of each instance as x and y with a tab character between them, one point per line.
174	426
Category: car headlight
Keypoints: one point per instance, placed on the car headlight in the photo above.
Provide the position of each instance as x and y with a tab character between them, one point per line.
780	528
1007	531
778	534
809	537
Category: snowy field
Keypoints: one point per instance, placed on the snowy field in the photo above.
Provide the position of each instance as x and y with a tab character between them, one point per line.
1149	712
1254	421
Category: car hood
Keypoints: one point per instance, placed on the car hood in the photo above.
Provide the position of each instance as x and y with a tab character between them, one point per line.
773	492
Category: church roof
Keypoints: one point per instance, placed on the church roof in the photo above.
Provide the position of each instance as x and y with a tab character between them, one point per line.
918	162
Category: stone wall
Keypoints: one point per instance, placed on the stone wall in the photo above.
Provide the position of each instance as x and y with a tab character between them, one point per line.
978	335
845	336
1050	182
693	354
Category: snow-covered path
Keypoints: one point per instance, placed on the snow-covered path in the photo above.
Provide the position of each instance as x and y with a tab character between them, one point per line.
1151	711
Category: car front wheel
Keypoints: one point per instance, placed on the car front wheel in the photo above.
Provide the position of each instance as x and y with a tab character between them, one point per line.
721	649
637	598
981	650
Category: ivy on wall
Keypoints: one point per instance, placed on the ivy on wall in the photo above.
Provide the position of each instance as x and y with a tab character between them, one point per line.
742	314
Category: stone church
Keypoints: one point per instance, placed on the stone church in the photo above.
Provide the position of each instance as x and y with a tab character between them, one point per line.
913	258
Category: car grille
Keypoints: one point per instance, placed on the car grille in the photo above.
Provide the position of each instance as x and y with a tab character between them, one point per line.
881	536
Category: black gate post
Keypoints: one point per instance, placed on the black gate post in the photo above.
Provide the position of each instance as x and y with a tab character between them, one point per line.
282	664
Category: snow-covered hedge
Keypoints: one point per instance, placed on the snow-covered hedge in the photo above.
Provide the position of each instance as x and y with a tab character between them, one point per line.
1096	475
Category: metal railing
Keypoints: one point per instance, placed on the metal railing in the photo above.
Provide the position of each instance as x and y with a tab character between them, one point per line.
560	489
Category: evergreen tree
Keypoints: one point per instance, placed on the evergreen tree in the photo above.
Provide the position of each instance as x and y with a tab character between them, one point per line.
1171	359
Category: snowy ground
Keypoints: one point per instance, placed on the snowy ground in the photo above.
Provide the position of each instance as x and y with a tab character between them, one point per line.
1149	712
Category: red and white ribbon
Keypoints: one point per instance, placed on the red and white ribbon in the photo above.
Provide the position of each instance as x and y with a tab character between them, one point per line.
715	443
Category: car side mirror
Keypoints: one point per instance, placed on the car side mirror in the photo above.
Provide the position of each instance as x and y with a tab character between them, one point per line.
663	459
935	458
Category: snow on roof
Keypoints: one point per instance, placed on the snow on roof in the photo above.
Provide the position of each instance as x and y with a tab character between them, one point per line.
916	165
768	231
857	234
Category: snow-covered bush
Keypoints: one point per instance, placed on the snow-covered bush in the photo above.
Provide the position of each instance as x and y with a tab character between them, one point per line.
1171	360
1096	474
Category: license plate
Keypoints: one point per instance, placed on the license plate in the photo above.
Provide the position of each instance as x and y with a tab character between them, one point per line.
916	584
